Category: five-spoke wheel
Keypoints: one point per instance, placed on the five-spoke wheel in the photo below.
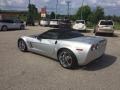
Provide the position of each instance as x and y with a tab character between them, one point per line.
67	59
22	45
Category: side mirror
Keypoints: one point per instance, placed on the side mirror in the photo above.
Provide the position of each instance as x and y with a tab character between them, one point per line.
38	37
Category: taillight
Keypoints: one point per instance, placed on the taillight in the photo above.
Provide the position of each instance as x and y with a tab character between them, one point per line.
94	47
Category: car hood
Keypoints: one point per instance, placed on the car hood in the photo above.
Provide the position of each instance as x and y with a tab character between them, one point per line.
87	39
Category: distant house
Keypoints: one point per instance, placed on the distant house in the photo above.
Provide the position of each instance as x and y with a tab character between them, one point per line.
5	14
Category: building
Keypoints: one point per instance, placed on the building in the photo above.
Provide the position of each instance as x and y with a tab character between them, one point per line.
6	14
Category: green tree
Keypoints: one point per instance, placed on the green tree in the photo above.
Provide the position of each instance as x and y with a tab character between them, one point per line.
85	10
33	11
98	14
52	15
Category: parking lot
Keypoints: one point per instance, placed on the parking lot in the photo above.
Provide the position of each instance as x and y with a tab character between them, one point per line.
29	71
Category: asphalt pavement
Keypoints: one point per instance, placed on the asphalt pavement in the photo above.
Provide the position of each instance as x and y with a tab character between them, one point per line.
29	71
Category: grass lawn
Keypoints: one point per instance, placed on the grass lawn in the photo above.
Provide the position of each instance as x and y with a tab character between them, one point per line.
117	26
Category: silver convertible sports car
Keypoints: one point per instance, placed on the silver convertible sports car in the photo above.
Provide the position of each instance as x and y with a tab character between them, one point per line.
70	47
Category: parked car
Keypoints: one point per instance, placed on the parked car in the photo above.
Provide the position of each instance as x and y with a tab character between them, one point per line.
44	22
65	23
104	26
11	24
79	25
70	47
54	23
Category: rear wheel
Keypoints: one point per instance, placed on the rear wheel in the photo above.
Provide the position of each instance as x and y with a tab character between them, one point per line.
22	27
96	34
67	59
4	28
22	45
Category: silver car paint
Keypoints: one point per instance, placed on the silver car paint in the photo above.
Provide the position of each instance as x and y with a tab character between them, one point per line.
48	47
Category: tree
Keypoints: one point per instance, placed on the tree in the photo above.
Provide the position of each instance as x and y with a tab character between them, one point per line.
33	11
32	14
85	10
52	15
98	14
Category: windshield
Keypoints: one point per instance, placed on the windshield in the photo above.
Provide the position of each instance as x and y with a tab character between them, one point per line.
70	34
83	22
106	23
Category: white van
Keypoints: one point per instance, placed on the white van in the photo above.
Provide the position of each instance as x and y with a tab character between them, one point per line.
11	24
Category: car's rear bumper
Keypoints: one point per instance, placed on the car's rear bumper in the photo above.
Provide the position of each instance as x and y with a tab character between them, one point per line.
92	55
105	31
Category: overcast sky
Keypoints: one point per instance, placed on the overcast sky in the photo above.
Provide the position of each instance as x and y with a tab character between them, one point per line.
111	7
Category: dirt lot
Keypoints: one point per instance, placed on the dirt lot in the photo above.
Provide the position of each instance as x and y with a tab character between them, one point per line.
28	71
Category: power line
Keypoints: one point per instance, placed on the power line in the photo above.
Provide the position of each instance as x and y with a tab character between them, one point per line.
56	9
82	10
68	7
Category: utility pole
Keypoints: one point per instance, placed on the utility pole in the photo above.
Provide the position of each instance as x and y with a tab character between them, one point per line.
68	8
56	9
82	10
29	2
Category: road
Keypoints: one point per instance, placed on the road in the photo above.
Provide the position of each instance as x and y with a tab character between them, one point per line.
29	71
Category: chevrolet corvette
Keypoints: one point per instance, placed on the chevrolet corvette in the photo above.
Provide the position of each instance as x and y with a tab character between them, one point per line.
69	47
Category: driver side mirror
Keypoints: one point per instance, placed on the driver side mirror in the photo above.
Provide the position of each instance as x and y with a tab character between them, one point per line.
38	37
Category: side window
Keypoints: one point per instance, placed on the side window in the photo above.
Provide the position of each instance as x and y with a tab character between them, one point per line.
48	35
10	21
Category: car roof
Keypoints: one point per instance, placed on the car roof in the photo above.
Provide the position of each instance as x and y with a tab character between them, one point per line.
60	30
106	20
80	20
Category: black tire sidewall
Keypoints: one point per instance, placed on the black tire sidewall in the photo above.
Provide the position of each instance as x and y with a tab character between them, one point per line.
74	60
25	50
2	29
22	27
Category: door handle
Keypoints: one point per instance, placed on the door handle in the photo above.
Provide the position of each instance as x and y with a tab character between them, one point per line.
55	42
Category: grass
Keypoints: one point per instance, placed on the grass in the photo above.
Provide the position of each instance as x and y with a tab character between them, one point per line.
117	26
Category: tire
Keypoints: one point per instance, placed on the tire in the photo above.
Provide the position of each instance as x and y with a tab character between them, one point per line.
22	27
94	31
22	45
67	59
96	34
111	34
4	28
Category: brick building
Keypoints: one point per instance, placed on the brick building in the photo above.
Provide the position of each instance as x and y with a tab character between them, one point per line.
5	14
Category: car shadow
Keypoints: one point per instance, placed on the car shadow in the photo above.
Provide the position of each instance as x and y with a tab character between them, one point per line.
107	35
101	63
84	31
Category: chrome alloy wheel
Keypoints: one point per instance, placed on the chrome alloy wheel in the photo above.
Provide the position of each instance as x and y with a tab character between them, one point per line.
21	45
65	59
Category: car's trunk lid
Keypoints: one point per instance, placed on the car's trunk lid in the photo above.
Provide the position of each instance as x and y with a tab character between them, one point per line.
87	39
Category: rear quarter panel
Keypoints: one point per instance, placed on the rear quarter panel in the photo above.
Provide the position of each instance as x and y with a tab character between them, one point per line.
73	46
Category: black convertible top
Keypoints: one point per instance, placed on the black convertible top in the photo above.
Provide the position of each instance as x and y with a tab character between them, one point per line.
61	30
66	33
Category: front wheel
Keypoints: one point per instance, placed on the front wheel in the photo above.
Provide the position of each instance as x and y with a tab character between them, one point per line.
4	28
22	27
67	59
22	45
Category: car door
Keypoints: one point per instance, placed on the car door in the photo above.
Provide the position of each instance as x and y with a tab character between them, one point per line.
11	24
8	23
45	44
16	24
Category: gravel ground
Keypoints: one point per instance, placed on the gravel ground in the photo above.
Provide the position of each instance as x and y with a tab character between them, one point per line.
28	71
